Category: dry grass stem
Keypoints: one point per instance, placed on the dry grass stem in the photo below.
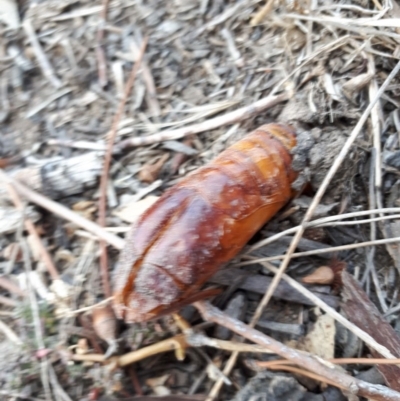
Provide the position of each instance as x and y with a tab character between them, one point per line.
265	10
101	58
323	250
172	344
329	221
336	361
42	59
241	114
47	102
151	94
87	308
200	340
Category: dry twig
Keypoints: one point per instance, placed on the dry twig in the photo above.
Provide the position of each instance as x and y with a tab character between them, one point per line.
62	211
44	63
151	95
107	162
101	58
306	361
229	118
262	13
46	258
336	361
176	343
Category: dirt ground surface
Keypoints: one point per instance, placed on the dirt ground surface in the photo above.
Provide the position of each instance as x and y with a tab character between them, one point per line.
208	72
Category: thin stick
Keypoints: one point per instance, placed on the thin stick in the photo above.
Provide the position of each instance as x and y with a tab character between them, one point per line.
45	256
107	162
171	344
200	340
44	63
356	222
376	120
336	361
62	211
375	184
88	308
352	22
322	250
151	96
262	13
230	118
377	4
321	191
301	358
101	58
324	221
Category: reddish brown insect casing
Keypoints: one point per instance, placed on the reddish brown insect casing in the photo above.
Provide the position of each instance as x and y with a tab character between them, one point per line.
202	222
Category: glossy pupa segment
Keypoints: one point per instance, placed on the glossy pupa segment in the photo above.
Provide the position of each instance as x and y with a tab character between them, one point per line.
202	222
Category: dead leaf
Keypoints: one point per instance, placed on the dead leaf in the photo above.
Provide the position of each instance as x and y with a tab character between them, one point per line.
321	275
105	323
130	212
364	314
149	172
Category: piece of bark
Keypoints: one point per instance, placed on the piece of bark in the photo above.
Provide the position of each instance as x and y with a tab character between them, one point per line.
363	313
259	283
60	178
